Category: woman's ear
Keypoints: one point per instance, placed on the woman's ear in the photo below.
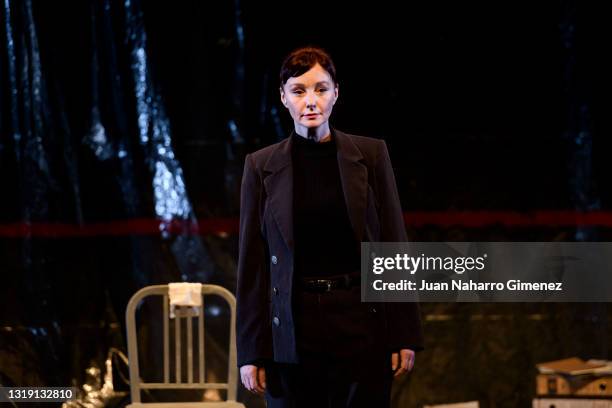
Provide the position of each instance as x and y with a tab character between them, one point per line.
336	93
282	96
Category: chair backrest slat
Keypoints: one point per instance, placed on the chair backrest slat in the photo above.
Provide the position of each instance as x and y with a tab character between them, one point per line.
166	341
201	344
190	348
177	348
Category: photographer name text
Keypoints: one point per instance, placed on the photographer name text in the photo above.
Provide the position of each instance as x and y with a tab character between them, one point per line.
469	285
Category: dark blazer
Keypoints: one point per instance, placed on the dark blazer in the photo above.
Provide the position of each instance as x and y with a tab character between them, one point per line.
265	323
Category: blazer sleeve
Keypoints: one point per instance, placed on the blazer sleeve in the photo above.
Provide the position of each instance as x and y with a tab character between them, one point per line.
253	328
403	320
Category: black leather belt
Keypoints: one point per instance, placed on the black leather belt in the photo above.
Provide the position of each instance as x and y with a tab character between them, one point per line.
328	284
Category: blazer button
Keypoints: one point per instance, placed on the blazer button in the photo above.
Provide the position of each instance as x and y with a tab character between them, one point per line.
276	321
275	290
274	259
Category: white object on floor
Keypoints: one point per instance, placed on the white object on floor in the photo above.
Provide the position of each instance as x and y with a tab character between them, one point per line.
470	404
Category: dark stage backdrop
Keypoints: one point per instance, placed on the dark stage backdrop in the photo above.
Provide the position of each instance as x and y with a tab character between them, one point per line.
123	130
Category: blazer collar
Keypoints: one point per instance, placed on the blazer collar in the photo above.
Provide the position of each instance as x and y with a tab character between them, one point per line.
279	184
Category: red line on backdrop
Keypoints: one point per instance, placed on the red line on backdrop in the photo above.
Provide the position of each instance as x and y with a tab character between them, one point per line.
226	226
478	219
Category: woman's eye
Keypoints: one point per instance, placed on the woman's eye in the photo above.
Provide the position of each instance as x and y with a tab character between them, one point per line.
297	91
322	90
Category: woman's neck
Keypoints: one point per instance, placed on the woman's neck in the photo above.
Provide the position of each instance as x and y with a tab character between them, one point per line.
319	134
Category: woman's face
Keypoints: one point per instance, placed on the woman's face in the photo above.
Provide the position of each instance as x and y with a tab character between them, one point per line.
310	98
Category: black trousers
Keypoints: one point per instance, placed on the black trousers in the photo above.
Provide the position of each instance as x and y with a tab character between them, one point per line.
343	361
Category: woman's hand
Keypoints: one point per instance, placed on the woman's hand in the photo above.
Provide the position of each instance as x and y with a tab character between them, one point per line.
253	378
405	360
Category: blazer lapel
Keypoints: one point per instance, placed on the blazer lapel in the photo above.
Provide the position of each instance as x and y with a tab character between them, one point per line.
279	187
354	177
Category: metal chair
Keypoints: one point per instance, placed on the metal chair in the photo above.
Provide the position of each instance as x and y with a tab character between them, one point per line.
188	314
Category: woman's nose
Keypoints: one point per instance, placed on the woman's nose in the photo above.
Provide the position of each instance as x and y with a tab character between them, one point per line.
310	101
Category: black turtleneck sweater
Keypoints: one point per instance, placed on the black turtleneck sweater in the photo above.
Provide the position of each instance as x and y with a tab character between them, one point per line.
325	244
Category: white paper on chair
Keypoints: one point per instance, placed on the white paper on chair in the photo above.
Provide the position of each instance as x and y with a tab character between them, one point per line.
184	294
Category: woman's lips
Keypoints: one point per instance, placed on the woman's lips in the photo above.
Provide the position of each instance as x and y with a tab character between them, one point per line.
310	115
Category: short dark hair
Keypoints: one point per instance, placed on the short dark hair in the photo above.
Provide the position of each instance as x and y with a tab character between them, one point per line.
302	59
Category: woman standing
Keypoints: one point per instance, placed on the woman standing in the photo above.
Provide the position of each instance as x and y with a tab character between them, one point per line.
303	335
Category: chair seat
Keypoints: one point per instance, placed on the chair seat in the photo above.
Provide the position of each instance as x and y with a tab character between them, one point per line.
217	404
